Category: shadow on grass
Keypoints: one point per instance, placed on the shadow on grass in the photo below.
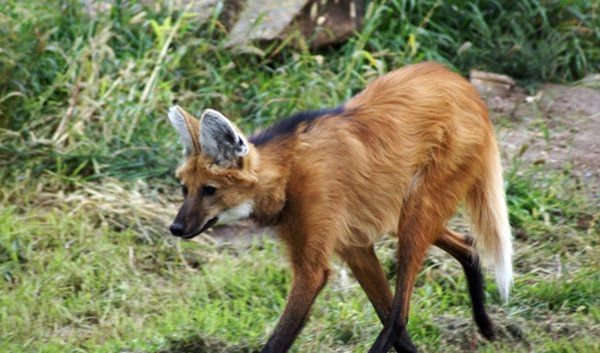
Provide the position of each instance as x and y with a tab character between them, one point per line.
200	344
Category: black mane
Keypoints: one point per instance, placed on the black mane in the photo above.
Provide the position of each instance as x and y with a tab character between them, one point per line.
288	126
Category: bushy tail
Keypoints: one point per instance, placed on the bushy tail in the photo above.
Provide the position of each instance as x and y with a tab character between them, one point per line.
486	204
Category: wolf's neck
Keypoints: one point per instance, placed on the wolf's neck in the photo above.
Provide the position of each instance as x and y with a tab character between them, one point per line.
273	171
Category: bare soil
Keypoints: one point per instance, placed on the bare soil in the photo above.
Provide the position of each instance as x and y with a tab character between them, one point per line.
558	127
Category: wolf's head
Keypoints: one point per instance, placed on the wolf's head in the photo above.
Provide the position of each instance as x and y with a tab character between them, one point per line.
217	176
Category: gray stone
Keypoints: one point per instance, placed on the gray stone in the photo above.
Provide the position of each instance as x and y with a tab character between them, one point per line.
319	22
264	20
491	84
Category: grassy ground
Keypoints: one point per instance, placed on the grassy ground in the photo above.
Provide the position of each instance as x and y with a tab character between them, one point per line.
92	270
86	161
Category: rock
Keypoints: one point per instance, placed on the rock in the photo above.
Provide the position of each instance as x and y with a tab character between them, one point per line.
328	22
593	78
491	84
321	22
264	20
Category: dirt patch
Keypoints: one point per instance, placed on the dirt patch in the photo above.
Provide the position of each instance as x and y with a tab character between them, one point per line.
578	108
200	344
558	127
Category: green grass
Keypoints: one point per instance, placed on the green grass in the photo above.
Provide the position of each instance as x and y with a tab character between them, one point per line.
85	276
86	162
86	96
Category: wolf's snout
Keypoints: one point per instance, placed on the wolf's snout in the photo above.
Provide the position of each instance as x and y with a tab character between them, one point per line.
176	229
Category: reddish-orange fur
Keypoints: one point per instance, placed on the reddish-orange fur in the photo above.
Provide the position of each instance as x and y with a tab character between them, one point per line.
400	159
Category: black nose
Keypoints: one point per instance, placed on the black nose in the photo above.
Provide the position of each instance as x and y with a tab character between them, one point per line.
176	229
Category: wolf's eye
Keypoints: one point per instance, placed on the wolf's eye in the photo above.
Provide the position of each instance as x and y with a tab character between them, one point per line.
184	190
208	190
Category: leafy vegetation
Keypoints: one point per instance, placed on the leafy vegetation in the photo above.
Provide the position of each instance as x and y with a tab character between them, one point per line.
71	76
86	158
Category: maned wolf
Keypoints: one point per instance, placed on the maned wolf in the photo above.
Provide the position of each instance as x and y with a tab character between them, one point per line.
397	158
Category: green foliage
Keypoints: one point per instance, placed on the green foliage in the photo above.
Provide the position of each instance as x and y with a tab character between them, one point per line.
546	205
529	40
84	93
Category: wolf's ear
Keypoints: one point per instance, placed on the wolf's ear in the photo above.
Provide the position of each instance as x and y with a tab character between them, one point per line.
187	127
220	140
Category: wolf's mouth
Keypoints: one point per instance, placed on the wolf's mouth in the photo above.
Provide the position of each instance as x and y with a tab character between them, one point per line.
211	222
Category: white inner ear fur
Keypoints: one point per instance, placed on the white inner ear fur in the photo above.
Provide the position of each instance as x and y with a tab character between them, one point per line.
177	119
241	211
215	129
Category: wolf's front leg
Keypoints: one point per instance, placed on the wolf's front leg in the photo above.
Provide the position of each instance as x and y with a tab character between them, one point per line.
307	283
